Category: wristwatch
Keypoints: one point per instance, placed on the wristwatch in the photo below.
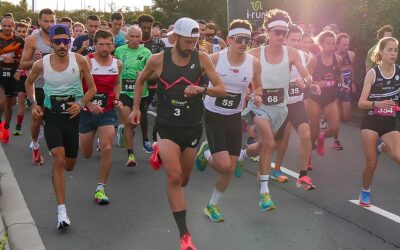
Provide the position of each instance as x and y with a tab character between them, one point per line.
30	102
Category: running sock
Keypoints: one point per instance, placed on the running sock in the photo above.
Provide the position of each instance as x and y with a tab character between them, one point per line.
277	167
130	151
243	155
35	145
380	147
61	208
207	154
302	173
367	190
100	186
264	184
180	219
20	118
216	195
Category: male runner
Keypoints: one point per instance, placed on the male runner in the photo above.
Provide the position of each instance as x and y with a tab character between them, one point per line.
179	111
99	115
62	72
84	44
116	23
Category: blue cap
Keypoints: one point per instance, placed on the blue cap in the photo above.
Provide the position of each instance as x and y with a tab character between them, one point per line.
59	29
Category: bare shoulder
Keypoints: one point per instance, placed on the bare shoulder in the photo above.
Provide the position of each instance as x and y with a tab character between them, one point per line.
38	65
255	52
214	58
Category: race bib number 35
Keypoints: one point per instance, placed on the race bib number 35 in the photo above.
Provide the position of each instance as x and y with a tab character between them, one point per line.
273	96
59	103
128	85
294	90
230	101
100	99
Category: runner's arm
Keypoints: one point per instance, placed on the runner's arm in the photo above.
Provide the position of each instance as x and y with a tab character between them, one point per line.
27	54
37	69
117	85
296	61
256	83
218	88
85	70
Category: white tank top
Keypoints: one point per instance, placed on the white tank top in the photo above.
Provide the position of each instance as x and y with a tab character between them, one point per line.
295	93
236	80
65	83
275	79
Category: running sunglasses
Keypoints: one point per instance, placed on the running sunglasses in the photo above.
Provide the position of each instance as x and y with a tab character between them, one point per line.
59	41
244	40
280	32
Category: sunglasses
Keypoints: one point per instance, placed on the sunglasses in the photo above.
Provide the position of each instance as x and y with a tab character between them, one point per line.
59	41
280	32
244	40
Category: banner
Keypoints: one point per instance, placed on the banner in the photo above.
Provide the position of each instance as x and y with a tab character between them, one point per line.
253	11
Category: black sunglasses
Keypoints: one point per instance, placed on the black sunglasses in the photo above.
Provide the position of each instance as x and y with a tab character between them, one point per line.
59	41
244	40
280	32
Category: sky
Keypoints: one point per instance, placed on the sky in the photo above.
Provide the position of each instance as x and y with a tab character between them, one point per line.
76	4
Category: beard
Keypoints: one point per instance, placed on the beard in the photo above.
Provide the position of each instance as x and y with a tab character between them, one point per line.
183	53
146	36
62	52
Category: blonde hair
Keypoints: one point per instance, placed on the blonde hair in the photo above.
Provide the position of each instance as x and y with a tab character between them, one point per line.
376	57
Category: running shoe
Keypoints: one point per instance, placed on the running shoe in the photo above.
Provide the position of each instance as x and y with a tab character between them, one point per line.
186	242
153	113
147	147
336	145
6	135
1	130
201	161
155	160
305	182
214	213
255	158
63	220
309	165
266	203
320	144
238	168
278	176
17	131
98	145
365	199
37	158
101	198
120	136
379	144
323	124
131	160
251	140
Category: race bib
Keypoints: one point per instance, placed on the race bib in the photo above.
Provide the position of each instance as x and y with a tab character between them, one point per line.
7	72
230	101
329	84
273	96
59	103
385	111
100	99
294	90
128	85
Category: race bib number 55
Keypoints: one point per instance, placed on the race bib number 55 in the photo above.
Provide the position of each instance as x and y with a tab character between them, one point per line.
230	101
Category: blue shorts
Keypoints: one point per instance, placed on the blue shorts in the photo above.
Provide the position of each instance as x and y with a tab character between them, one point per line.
344	96
89	122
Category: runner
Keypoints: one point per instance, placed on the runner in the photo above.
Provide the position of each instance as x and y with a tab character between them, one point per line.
380	96
116	23
179	111
222	118
212	37
134	58
20	76
11	47
37	46
100	114
62	72
276	61
84	44
325	69
347	87
297	117
384	31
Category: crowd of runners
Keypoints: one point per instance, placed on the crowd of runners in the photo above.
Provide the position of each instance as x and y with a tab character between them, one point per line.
86	84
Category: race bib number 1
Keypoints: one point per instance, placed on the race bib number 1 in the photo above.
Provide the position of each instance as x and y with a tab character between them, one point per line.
273	96
59	103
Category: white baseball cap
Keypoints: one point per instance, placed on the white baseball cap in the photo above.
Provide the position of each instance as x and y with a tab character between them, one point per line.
186	27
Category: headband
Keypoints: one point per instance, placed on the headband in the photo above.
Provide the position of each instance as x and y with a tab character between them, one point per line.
239	31
277	23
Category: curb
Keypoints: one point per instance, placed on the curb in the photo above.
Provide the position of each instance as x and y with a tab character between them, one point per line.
18	221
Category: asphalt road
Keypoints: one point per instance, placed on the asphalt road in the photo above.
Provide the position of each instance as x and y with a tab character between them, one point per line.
139	217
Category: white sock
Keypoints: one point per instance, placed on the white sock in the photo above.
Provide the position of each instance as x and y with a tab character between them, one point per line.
35	145
207	154
243	155
100	186
367	190
216	195
264	184
380	147
61	208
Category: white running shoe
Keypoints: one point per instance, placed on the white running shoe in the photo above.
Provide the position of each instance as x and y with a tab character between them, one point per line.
63	220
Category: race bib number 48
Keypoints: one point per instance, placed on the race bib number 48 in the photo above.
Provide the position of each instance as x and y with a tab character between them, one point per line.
230	101
128	85
273	96
59	103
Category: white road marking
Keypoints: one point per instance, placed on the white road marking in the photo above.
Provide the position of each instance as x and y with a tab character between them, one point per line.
287	171
377	210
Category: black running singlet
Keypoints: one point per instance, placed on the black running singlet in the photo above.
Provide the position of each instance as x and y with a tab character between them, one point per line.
173	108
330	75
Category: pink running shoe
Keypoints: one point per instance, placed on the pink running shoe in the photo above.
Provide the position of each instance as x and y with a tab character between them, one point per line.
305	182
186	242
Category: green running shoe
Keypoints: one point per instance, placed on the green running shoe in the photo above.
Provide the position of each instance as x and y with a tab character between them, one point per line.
214	213
131	160
201	161
266	203
238	169
101	198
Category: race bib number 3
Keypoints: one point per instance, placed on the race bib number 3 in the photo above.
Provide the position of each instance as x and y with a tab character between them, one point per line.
59	103
273	96
230	101
385	111
128	85
100	99
294	90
